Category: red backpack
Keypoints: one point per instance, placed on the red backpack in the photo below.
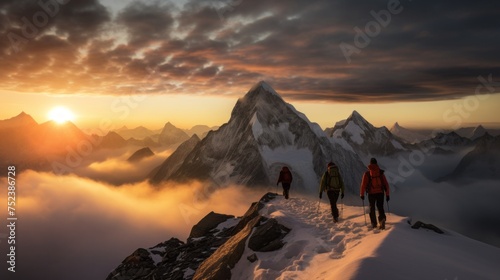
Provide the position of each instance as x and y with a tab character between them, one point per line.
287	175
375	182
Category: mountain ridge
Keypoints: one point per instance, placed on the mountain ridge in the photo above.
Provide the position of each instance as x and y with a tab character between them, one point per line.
308	245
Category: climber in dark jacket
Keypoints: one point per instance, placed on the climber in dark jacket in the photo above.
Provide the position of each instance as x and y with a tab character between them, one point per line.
285	179
332	183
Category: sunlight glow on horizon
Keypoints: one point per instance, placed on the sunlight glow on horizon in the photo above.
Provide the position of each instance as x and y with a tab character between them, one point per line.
61	115
186	111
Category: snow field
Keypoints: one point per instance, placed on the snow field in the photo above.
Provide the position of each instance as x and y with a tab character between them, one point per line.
317	248
313	241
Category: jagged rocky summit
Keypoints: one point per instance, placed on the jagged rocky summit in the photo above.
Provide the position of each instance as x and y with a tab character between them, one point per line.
214	246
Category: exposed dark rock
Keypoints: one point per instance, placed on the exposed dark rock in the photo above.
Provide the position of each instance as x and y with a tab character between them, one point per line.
252	258
210	251
135	266
218	266
208	223
420	224
253	211
268	236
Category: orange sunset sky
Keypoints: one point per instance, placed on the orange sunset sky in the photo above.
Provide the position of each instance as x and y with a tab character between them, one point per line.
187	62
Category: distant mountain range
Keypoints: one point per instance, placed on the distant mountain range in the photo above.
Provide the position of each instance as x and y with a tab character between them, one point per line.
263	134
60	147
141	132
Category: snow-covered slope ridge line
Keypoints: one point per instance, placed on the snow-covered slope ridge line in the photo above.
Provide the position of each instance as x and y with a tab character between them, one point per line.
316	248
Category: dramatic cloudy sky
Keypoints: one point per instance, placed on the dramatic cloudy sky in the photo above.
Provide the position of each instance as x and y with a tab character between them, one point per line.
312	52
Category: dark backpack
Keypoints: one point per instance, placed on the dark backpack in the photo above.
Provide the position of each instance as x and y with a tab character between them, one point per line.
333	179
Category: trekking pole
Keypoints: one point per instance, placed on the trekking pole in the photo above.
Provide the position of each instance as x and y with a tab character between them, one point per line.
364	212
341	208
319	200
388	209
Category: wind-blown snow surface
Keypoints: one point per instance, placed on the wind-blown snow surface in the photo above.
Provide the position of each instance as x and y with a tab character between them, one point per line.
316	248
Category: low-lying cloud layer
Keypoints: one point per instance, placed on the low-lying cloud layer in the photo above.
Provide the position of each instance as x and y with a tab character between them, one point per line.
392	50
74	228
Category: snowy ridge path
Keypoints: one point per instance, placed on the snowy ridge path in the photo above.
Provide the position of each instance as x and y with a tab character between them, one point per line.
314	239
317	248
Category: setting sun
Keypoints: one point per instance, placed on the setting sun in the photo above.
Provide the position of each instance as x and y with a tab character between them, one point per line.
61	115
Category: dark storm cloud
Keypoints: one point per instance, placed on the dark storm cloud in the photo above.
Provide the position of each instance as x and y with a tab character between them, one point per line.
146	23
417	50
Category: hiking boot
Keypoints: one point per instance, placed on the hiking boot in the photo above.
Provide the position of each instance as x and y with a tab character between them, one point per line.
382	224
374	226
335	219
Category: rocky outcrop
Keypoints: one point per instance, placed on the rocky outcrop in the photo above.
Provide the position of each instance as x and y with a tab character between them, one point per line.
208	223
214	246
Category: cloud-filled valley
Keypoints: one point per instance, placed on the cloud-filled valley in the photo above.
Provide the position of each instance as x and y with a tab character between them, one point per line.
76	228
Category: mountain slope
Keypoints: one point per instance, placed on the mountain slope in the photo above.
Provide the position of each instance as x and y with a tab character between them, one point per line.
447	141
478	132
171	135
174	161
200	130
139	132
263	134
364	138
140	154
21	120
406	134
482	163
311	246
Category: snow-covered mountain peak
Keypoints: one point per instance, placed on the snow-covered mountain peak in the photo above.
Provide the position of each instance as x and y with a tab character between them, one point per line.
359	120
265	86
264	134
356	132
410	136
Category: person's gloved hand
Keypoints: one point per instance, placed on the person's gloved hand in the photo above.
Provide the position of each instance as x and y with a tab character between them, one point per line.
362	197
387	198
342	196
320	195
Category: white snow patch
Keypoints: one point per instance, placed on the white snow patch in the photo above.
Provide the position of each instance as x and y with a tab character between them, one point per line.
257	129
355	131
342	142
227	224
156	258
